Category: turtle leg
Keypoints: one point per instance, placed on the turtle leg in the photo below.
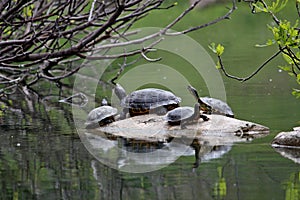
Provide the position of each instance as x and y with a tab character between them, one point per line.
123	113
204	117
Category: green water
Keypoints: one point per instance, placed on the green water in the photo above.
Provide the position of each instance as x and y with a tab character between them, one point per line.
42	156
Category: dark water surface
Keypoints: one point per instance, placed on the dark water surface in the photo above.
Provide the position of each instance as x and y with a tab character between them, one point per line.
42	156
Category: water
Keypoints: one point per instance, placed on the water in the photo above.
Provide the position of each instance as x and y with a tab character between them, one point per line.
42	156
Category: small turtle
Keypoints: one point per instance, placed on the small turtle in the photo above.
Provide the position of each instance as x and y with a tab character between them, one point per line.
183	115
211	105
101	116
143	101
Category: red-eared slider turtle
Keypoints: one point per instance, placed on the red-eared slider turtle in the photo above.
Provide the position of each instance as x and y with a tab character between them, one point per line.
184	115
101	116
143	101
211	105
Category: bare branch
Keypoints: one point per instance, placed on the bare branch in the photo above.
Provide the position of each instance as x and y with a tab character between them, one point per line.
222	68
297	7
150	59
226	16
40	39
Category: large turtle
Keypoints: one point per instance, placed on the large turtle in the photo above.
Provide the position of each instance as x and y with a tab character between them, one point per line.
143	101
211	105
101	116
183	115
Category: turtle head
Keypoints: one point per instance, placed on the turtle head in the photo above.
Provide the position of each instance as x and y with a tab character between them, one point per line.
120	91
203	106
194	92
104	102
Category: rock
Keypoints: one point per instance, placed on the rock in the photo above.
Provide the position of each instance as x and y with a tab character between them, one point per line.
296	128
145	143
287	139
217	130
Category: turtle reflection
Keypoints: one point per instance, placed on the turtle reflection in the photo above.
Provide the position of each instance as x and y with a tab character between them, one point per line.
202	151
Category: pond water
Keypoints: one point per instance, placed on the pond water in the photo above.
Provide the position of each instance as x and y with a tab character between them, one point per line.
42	156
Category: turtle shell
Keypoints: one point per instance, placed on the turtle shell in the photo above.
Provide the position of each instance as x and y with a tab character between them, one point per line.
151	98
218	106
179	114
100	114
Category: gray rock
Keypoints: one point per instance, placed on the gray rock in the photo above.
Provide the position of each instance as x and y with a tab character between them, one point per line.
296	128
287	139
218	130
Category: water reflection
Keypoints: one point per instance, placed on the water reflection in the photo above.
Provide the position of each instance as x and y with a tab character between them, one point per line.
41	157
292	186
220	188
290	153
124	153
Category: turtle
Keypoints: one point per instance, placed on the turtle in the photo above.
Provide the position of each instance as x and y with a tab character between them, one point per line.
211	105
183	115
147	100
101	116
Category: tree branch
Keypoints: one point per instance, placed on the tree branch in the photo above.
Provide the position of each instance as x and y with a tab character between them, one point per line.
222	68
40	39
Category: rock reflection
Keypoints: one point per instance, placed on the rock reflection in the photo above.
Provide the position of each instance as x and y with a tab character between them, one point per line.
124	153
290	153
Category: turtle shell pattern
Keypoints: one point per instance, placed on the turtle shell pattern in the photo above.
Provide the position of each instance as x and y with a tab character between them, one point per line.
101	113
179	114
141	101
218	106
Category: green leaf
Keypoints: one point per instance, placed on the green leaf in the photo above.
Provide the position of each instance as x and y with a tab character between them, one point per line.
220	49
298	54
276	7
298	79
268	43
287	68
285	34
287	58
218	66
296	93
212	47
28	10
259	7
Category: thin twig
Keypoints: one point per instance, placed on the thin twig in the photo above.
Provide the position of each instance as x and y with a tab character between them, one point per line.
91	11
222	68
226	16
150	59
298	9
